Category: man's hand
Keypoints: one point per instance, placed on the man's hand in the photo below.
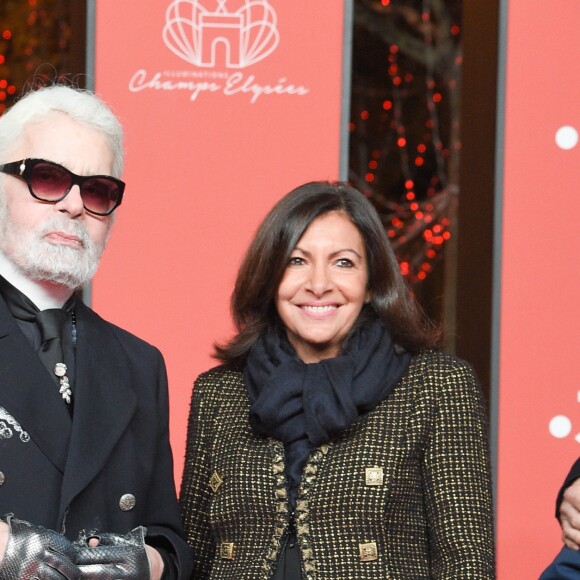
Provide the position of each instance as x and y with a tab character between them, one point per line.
570	516
28	551
155	562
155	559
113	556
34	552
4	534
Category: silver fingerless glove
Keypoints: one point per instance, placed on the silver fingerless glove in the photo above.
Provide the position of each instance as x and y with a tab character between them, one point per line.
115	558
35	553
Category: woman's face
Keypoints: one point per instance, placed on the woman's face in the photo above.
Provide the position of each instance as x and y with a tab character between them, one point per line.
324	287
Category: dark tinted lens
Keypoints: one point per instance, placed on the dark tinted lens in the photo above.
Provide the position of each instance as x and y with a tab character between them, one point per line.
49	182
99	194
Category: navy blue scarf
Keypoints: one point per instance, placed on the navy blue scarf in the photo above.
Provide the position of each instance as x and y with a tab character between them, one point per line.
305	405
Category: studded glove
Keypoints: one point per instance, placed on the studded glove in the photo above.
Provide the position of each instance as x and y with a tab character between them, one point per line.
35	553
115	558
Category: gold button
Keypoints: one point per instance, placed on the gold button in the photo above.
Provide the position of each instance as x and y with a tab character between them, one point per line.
374	476
2	478
227	550
127	502
215	481
368	552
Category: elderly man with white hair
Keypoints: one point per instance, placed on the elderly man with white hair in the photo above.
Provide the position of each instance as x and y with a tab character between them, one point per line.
86	471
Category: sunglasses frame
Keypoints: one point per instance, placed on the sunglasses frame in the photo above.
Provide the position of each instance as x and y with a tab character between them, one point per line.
23	169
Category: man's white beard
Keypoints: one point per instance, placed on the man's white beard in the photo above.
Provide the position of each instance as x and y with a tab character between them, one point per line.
38	259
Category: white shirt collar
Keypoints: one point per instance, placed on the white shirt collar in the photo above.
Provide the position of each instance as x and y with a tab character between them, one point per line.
44	294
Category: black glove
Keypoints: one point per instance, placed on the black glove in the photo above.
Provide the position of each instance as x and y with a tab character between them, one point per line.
115	558
36	553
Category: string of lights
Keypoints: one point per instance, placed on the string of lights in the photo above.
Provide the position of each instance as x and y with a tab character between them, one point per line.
406	112
35	40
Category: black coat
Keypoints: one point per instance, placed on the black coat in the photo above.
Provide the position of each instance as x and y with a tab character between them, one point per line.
70	474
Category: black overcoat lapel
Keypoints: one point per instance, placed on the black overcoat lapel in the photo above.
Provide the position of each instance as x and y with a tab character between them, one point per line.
104	402
29	394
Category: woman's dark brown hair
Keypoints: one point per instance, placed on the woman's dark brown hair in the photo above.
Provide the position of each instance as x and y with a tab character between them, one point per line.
253	300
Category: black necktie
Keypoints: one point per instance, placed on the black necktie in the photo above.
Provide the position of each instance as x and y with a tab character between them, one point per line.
51	324
53	327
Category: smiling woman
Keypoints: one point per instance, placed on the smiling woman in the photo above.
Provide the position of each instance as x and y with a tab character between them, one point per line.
269	257
335	441
324	287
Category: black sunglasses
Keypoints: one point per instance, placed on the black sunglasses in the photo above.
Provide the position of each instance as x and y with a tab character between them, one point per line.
48	181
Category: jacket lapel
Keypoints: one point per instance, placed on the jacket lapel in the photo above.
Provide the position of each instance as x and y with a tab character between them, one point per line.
104	402
29	394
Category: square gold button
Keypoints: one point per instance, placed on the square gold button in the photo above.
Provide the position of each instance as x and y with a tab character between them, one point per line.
374	476
368	552
227	550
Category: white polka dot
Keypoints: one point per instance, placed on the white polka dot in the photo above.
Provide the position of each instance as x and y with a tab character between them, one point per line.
566	137
560	426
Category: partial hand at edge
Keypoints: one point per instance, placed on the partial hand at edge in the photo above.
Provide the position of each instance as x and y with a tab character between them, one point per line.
570	516
4	535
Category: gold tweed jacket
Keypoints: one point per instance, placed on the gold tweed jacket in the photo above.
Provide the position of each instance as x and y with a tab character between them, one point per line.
403	493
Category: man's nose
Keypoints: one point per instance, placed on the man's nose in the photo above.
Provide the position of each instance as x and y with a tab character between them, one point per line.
72	202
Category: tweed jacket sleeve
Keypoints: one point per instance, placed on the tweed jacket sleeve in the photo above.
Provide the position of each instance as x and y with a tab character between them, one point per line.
456	473
403	493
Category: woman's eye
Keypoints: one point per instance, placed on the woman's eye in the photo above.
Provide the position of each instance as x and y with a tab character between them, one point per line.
344	263
295	261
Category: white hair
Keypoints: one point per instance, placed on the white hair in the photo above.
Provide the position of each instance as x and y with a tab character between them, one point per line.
80	105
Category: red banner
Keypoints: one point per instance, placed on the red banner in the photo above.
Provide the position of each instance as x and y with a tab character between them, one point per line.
227	105
539	357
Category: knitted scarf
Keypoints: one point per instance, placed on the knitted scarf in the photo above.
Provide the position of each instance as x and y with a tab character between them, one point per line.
305	405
